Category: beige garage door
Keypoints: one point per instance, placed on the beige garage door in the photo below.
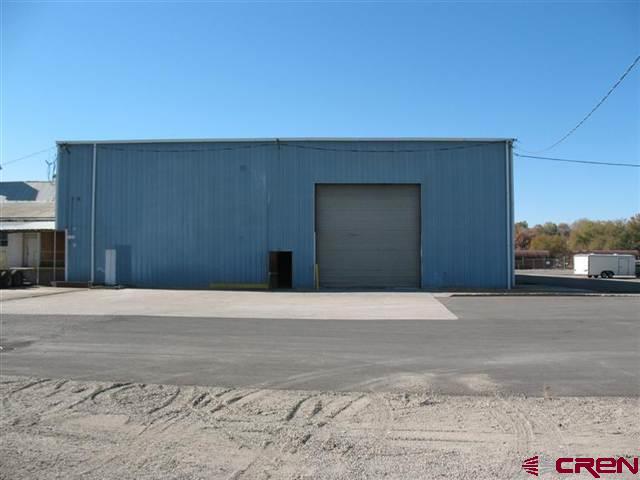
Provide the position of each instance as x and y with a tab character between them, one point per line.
368	235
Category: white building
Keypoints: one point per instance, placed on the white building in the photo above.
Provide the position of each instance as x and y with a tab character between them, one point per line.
27	231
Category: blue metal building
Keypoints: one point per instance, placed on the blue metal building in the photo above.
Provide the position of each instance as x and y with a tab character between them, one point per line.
208	213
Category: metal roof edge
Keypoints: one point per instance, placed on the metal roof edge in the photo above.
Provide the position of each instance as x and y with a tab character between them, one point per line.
286	139
27	202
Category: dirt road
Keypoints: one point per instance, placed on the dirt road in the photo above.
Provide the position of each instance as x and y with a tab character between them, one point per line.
69	429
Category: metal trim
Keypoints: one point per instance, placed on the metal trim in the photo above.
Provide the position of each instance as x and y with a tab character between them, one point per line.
93	213
509	208
66	255
512	246
289	139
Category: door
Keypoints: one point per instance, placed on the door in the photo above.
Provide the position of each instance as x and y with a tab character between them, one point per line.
368	235
625	266
30	250
110	266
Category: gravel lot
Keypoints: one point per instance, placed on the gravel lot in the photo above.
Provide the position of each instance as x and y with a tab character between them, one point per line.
70	429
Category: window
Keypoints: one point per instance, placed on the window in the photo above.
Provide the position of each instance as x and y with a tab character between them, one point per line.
4	239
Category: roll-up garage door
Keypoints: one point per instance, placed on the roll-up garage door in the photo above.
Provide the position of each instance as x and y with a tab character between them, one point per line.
368	235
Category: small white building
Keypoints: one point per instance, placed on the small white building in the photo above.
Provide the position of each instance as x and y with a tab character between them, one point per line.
27	231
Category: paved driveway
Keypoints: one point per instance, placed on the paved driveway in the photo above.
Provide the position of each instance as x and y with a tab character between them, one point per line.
530	345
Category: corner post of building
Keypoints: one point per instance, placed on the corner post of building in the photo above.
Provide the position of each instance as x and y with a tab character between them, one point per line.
512	245
93	213
509	210
66	255
39	260
55	234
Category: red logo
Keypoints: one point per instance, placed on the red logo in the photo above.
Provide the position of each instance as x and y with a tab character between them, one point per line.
594	466
530	465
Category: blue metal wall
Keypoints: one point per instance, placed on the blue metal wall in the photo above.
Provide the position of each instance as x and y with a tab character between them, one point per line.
193	214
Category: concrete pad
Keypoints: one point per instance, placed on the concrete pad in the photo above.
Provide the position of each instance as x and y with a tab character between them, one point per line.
32	292
276	305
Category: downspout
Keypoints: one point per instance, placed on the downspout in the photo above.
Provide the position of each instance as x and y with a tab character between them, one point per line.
509	209
93	214
57	218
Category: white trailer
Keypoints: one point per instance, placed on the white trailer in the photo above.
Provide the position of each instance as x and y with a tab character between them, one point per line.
604	265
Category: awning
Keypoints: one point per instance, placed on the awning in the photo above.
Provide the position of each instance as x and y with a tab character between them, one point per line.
27	226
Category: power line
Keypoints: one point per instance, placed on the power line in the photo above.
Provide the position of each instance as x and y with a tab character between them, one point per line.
634	165
301	146
183	150
276	144
396	150
570	132
26	156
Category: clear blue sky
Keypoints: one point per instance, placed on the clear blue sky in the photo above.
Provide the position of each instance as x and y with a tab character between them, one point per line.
502	69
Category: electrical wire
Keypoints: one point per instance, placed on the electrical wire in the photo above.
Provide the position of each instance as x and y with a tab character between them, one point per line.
602	100
26	156
184	150
634	165
398	150
278	143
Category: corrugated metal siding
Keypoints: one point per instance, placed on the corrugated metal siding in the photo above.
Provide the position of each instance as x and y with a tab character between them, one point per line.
192	214
73	207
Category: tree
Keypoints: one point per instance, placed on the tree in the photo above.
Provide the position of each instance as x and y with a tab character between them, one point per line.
598	235
583	234
523	239
631	237
564	229
555	244
549	228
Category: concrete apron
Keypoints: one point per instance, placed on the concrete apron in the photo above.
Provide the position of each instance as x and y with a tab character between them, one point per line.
225	304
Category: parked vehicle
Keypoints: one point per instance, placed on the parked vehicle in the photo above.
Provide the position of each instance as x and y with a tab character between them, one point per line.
604	265
10	276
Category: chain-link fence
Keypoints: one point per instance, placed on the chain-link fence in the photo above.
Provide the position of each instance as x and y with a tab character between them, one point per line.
531	262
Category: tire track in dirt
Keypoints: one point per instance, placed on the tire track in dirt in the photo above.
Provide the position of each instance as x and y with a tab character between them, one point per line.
166	403
97	391
293	434
264	388
291	381
521	427
226	400
293	410
57	388
321	430
270	460
148	440
28	385
386	424
550	426
348	405
317	408
199	399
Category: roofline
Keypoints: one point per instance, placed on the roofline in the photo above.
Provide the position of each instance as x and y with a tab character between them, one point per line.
26	202
288	139
27	181
26	219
